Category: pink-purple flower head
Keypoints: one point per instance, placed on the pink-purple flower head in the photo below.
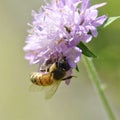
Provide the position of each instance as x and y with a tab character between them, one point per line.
59	27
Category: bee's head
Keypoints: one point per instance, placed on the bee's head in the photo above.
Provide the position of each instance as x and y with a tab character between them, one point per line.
59	62
63	64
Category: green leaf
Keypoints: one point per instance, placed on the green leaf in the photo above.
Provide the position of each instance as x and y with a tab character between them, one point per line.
109	21
85	50
77	69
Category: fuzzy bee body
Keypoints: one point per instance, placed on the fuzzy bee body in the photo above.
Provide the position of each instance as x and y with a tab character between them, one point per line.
52	77
41	79
48	78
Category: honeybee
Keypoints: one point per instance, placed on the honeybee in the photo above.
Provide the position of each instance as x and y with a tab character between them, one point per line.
53	77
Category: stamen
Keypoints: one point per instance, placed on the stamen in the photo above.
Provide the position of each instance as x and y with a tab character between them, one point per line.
57	1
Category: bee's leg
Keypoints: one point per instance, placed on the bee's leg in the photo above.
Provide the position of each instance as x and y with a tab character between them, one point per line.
69	77
42	70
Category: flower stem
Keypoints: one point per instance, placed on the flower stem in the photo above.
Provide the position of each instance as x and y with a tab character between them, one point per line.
97	84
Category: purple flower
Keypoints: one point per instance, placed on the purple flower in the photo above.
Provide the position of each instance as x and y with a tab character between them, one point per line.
58	27
87	23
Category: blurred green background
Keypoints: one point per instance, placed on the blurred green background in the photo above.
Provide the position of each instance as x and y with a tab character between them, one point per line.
77	101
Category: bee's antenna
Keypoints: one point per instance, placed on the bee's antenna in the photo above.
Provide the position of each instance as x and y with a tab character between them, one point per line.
69	77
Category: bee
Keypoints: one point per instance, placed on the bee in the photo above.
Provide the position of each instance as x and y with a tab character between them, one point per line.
53	77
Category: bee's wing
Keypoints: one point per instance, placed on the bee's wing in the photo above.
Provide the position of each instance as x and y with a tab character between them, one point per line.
52	90
35	88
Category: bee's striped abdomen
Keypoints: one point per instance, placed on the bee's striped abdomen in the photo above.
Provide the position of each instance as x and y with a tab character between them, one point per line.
41	79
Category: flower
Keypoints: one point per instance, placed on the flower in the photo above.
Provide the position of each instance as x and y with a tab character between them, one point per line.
58	27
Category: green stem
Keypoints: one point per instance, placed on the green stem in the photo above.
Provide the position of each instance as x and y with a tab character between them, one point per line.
97	83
